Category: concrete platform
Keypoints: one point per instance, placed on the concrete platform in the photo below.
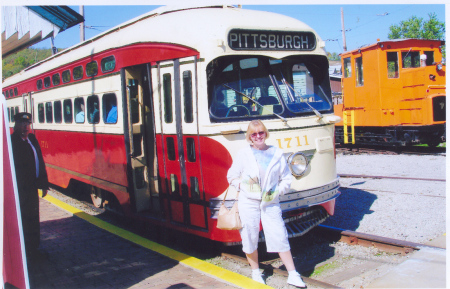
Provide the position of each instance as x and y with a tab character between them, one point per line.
85	252
425	268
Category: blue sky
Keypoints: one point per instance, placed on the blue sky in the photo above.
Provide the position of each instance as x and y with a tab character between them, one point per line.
364	24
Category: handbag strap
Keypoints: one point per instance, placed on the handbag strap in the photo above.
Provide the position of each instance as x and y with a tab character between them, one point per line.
237	195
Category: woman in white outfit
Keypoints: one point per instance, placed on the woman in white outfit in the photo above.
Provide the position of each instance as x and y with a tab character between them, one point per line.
261	174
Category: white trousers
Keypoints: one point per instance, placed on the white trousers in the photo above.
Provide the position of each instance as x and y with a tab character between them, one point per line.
275	231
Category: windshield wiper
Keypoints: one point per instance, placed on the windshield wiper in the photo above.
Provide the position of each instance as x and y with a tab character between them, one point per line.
251	93
318	114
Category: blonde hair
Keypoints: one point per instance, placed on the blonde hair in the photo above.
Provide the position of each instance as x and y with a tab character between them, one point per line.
252	128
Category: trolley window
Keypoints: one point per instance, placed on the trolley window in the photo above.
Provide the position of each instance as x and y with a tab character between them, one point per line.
56	79
257	86
108	64
133	87
92	108
6	93
15	91
190	148
410	59
174	185
187	94
79	110
39	84
167	86
41	113
392	64
16	110
11	119
12	113
139	177
109	108
195	191
77	72
91	68
11	92
170	148
47	81
359	71
68	111
65	76
49	112
57	109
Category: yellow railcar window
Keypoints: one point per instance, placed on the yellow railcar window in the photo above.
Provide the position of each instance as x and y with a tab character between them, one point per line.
392	64
347	67
359	71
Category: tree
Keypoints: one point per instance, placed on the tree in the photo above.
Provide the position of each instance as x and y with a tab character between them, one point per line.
20	60
416	27
333	56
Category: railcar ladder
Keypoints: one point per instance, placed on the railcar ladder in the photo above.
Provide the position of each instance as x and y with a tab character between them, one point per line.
352	124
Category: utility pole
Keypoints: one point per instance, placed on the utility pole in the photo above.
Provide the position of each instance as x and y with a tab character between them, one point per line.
54	49
82	24
343	29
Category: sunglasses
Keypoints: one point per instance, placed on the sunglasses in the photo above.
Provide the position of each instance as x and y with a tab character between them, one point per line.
260	133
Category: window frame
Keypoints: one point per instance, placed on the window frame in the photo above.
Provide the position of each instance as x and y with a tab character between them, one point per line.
65	72
57	113
39	84
79	67
88	109
359	71
106	60
88	68
188	97
105	99
47	82
65	115
396	73
54	77
76	102
48	112
41	112
167	97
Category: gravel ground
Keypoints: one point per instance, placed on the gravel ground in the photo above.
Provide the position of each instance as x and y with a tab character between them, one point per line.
402	209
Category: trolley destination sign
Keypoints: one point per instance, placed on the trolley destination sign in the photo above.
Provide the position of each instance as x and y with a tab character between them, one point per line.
246	39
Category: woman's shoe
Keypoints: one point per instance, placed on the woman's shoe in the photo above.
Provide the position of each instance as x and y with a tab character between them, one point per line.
296	280
258	278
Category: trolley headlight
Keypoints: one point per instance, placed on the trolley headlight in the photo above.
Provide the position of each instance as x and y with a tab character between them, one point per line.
298	164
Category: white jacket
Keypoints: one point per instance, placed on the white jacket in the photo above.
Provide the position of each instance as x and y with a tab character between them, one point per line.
244	176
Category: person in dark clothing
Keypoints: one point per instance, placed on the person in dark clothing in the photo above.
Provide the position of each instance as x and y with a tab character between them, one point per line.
31	175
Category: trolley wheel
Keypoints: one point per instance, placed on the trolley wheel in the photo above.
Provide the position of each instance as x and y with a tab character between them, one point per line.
97	197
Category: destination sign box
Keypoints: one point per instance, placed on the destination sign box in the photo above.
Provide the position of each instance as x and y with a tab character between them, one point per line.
246	39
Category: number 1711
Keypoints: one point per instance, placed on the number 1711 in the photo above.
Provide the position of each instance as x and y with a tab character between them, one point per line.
290	142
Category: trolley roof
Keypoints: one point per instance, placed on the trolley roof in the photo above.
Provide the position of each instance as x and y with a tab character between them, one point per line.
203	29
404	42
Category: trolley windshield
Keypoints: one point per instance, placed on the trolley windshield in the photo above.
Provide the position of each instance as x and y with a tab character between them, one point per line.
255	86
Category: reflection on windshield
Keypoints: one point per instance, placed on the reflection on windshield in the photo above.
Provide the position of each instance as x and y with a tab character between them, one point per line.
287	87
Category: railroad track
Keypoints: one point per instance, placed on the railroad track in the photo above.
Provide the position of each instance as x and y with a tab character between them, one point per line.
367	240
390	151
389	177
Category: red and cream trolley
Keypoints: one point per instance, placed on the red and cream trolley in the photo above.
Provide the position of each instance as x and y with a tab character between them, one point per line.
150	114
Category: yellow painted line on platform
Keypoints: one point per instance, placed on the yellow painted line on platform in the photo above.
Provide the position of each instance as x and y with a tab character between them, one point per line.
197	264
